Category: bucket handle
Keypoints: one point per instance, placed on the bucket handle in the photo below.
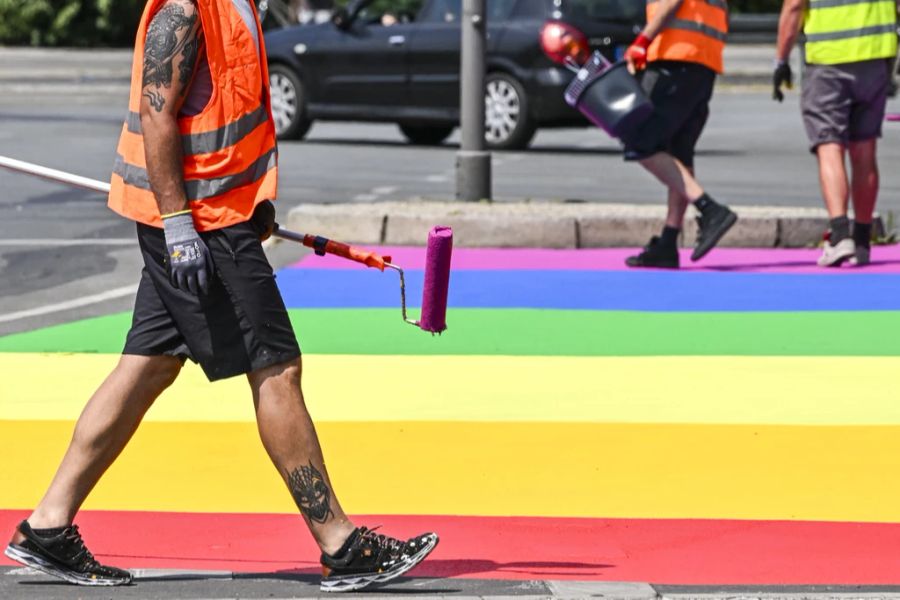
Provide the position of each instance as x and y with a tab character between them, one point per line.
597	58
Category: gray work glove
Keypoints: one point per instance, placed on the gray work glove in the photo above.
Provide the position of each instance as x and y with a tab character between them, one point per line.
781	76
190	262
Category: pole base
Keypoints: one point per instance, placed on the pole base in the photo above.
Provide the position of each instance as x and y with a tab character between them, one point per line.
473	175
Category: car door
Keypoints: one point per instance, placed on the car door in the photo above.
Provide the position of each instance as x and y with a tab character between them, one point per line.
434	56
435	50
364	66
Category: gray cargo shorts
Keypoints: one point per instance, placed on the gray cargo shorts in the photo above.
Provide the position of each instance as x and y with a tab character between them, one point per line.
844	103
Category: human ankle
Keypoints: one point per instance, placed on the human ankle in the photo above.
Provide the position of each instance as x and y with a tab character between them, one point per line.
862	234
48	520
669	236
704	203
840	229
337	540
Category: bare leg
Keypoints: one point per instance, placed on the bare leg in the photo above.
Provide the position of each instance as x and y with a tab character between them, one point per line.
833	179
106	424
674	175
289	437
865	179
676	205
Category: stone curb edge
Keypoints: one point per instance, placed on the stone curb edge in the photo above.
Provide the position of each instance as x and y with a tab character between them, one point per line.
547	224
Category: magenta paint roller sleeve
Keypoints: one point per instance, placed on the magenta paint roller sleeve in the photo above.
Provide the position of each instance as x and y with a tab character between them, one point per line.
437	280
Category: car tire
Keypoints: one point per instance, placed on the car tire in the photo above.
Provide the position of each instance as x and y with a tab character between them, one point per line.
288	103
508	124
426	135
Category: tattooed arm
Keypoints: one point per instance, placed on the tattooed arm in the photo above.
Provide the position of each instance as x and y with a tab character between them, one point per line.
170	58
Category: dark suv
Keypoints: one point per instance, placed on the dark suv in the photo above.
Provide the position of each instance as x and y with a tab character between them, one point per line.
405	68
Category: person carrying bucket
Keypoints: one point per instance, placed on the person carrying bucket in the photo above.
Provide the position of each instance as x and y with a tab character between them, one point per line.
677	57
849	52
196	168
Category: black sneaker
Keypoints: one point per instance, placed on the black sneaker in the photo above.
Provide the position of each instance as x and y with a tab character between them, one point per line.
63	555
372	558
712	224
655	254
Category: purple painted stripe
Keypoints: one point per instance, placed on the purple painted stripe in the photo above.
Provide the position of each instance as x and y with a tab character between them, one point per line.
885	259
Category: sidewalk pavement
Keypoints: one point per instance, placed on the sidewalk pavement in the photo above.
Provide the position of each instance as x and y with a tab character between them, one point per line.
547	224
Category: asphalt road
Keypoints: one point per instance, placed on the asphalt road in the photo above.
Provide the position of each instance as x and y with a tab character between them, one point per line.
753	152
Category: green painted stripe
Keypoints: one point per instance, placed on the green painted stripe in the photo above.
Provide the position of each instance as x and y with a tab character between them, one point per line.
529	332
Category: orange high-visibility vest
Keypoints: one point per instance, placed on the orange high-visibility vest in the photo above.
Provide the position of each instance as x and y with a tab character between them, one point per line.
230	153
695	33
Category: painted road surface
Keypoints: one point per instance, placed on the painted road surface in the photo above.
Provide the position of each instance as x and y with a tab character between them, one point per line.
736	422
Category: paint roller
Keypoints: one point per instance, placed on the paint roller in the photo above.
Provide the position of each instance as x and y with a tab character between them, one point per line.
436	286
438	251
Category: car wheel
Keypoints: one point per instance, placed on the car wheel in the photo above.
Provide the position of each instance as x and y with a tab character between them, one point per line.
507	122
426	135
288	103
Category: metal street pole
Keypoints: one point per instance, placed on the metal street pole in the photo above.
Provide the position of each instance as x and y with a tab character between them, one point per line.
473	162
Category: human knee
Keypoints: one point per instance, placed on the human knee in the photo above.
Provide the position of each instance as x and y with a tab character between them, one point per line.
862	156
155	372
285	374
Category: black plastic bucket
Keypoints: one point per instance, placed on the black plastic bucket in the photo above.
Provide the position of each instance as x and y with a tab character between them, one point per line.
609	96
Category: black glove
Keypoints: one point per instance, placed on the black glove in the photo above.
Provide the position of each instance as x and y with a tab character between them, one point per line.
781	76
263	219
190	262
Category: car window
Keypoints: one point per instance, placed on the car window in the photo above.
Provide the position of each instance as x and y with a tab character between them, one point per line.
402	11
499	10
629	11
532	9
441	11
448	11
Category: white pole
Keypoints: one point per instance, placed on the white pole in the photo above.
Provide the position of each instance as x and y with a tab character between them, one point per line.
54	175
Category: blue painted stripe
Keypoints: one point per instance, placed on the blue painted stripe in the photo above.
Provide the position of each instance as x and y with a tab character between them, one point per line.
599	290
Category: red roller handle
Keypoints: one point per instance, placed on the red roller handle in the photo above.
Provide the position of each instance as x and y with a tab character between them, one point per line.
323	246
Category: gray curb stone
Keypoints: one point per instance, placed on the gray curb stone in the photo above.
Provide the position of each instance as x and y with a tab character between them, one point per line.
602	589
546	224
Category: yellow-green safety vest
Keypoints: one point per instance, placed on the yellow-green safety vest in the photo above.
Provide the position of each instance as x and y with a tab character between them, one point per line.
845	31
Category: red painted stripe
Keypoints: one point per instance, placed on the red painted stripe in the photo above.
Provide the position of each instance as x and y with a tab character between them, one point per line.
658	551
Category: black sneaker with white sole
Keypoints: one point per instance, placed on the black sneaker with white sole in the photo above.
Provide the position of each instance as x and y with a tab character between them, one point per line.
370	558
64	555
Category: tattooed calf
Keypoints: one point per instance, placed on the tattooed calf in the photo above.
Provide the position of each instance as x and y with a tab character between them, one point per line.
311	493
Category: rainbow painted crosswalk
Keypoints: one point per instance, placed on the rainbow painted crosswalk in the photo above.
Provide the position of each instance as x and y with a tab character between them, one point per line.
733	423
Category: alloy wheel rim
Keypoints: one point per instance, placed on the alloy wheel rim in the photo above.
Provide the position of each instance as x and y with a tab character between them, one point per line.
284	101
502	107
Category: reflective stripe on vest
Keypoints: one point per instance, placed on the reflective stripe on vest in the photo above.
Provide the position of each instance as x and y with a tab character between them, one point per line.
230	153
695	33
200	189
699	27
846	31
210	141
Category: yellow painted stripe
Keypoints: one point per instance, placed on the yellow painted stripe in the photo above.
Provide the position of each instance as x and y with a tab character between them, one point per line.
528	469
740	390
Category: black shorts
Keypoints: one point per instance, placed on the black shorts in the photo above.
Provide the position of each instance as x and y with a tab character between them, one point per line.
239	326
680	92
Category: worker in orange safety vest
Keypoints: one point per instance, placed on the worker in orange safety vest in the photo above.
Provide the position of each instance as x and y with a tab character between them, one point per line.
196	169
676	57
